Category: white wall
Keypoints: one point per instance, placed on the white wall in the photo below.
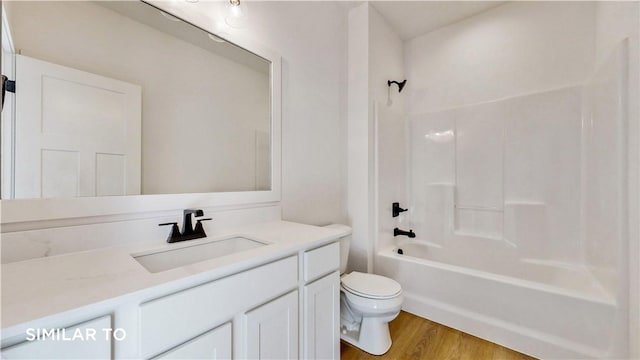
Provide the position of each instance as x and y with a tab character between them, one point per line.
517	48
190	115
312	39
376	133
360	146
386	62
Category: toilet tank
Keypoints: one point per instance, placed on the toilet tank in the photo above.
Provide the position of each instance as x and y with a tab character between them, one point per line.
345	242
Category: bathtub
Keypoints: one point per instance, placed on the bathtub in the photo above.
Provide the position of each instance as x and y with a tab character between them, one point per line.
539	308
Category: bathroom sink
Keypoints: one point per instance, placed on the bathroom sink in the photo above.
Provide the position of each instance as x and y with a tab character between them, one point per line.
190	254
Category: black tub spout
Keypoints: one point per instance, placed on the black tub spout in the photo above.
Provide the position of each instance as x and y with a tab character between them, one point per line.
409	233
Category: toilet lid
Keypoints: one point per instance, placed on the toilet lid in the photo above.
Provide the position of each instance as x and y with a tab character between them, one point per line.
370	285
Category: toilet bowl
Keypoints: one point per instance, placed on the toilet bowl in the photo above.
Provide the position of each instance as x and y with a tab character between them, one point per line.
368	302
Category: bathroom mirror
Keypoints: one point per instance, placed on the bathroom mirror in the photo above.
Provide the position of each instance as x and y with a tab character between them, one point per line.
123	98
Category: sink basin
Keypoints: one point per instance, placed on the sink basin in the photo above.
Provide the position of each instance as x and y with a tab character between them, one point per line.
190	254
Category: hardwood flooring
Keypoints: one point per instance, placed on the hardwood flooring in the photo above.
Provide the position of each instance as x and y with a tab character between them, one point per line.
417	338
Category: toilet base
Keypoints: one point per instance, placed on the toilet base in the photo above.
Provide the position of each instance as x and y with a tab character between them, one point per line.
373	337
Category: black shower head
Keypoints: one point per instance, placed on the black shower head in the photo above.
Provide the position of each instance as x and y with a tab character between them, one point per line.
400	84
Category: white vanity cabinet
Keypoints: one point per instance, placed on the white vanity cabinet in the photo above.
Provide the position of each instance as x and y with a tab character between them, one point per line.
262	309
174	319
284	309
321	303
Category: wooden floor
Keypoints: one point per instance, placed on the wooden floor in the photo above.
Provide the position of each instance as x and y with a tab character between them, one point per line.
417	338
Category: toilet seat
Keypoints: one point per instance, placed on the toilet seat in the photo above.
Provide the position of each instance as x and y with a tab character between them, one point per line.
370	286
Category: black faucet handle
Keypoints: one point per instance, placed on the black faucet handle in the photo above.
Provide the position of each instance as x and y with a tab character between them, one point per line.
175	231
199	229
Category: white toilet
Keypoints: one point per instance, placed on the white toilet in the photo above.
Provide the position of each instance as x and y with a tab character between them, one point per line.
367	303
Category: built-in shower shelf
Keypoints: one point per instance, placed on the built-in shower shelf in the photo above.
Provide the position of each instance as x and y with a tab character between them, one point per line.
478	235
478	208
533	203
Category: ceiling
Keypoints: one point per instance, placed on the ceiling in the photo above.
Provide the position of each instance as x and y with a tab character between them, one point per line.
412	18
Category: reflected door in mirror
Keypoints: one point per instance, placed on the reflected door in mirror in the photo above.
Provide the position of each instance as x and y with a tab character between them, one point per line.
78	134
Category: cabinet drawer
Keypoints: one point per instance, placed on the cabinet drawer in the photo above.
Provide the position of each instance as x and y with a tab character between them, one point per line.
215	344
176	318
321	261
98	347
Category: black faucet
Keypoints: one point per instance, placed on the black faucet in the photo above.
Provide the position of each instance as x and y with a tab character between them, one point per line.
188	231
409	233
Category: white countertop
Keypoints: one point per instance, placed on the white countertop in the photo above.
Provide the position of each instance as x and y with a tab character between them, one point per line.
39	288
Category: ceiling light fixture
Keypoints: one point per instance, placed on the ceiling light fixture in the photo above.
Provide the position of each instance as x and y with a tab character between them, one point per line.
237	14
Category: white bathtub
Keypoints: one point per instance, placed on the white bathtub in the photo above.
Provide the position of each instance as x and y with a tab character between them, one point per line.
548	311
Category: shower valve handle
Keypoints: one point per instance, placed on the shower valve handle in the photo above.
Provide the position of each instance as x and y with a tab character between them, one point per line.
396	209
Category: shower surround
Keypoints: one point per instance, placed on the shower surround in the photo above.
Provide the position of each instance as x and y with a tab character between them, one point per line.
519	209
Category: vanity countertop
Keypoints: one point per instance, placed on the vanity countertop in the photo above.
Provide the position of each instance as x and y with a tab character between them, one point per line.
40	288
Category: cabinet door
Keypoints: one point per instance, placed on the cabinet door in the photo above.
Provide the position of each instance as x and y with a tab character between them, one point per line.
171	320
322	318
84	346
271	330
215	344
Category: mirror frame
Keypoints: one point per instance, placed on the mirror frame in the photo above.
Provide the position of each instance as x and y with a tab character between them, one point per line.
15	211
